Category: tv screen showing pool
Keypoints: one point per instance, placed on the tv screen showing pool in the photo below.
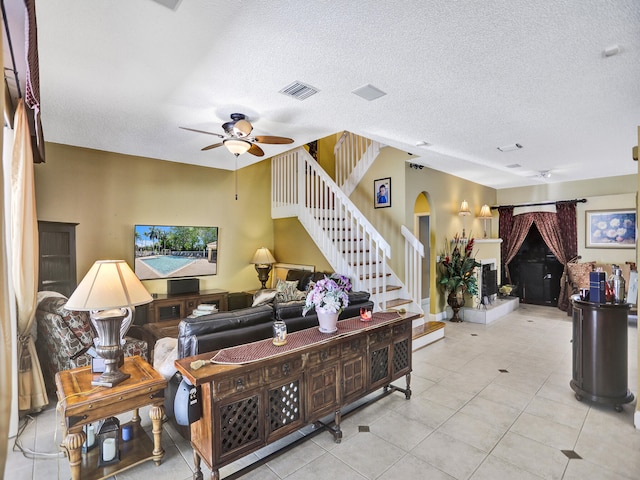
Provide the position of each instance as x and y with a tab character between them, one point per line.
175	251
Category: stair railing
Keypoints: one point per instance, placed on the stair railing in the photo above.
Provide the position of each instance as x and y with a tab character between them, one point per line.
413	255
353	155
342	233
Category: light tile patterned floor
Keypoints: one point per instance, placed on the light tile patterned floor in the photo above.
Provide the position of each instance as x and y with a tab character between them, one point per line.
467	419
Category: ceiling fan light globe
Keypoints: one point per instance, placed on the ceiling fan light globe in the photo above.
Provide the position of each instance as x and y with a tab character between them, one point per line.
242	128
237	146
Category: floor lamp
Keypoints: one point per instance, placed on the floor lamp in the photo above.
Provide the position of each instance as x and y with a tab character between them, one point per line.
108	291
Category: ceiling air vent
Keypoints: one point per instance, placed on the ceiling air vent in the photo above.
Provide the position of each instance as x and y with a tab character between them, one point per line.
299	90
514	165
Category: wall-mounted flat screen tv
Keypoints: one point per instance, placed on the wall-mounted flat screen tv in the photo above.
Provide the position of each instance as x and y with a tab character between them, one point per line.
175	251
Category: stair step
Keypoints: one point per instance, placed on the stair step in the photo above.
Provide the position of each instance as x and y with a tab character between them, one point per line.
386	288
397	302
427	333
375	275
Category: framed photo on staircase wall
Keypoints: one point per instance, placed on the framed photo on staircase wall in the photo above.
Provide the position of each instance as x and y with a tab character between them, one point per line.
382	192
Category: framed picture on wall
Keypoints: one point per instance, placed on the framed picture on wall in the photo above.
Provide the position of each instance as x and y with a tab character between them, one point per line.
382	192
610	229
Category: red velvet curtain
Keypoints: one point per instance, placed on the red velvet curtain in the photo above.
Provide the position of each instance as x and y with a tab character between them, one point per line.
558	230
519	230
547	224
568	227
505	224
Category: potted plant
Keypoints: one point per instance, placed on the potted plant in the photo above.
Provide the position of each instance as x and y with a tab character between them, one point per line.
328	297
457	269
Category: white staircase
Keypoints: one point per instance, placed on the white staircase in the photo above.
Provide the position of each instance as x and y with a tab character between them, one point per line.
354	155
346	238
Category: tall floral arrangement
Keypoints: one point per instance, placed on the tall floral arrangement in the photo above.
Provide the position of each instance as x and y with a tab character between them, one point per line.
458	265
329	294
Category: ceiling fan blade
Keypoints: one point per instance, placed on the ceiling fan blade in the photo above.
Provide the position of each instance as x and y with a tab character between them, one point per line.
273	140
202	131
209	147
256	150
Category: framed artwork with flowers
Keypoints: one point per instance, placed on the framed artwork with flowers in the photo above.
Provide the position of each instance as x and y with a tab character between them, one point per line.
610	229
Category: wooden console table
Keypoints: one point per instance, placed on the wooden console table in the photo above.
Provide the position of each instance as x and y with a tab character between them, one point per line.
81	404
247	406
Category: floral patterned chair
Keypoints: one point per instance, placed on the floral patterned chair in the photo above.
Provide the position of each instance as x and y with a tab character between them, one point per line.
63	338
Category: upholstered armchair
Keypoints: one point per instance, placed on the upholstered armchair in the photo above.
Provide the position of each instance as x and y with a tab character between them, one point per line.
63	338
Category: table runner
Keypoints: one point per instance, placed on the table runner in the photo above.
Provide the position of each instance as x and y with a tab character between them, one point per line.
263	349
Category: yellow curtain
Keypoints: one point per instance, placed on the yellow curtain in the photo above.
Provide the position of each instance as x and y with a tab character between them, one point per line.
32	395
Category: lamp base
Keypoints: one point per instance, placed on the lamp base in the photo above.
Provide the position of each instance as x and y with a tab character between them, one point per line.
108	326
263	274
110	379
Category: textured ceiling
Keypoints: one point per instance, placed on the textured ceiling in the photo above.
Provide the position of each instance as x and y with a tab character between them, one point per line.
465	76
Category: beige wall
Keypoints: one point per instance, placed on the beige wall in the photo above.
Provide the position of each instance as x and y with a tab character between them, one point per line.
108	193
445	193
294	245
601	194
390	163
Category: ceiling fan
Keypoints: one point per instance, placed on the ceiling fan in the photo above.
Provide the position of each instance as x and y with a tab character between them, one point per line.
238	139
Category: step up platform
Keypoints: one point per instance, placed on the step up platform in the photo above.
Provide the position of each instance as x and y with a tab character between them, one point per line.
492	312
427	333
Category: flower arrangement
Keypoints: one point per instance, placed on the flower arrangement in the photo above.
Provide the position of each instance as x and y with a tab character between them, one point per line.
457	267
328	294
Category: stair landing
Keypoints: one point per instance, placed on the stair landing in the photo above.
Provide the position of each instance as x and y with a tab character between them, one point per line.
427	333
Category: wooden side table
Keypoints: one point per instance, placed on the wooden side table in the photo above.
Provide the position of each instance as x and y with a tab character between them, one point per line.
80	403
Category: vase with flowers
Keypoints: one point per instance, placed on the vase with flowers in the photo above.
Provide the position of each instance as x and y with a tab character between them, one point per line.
328	297
457	269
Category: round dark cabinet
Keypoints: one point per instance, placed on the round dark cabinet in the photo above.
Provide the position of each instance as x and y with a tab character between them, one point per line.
600	352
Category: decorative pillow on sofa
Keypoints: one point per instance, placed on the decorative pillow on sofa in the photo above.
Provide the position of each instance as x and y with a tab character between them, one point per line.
264	296
302	276
579	274
287	291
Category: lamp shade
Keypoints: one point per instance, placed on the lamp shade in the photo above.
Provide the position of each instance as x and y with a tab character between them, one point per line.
464	209
108	284
263	257
237	146
485	211
242	128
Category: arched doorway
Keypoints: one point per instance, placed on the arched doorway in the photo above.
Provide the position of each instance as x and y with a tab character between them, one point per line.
422	231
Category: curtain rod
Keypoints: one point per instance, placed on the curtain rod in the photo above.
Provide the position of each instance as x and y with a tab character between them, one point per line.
10	44
581	200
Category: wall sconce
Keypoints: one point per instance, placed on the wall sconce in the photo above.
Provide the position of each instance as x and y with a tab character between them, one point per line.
263	261
485	214
464	212
108	291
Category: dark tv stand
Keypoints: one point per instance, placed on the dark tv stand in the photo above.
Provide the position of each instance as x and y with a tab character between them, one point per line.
167	307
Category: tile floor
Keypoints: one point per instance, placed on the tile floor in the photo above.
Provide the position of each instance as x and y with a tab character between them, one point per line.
489	402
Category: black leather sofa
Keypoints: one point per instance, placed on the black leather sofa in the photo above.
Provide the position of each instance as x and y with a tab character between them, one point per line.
209	333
